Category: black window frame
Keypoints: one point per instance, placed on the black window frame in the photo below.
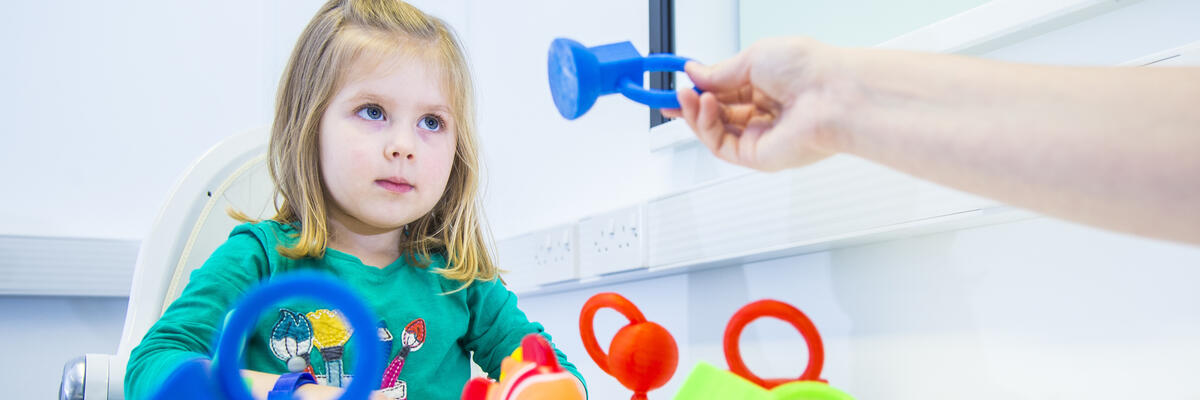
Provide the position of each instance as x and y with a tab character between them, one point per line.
662	40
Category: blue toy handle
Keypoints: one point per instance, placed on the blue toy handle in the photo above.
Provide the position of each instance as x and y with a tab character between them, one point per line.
579	75
368	364
654	98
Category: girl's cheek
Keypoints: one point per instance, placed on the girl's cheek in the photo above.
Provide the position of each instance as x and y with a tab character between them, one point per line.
443	163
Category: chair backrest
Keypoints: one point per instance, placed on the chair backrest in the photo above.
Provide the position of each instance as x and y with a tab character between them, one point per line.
192	223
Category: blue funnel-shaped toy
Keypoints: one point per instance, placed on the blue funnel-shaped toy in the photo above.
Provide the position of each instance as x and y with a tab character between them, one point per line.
579	75
221	379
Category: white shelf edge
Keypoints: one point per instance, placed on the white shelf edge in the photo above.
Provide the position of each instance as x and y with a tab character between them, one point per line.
961	220
999	23
1186	50
671	134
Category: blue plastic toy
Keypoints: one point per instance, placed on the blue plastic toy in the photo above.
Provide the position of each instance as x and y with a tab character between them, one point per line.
579	75
197	379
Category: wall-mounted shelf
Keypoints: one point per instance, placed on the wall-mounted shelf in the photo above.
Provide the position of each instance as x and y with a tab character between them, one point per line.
839	202
973	218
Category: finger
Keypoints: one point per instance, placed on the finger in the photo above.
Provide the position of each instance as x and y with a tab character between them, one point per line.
759	123
748	148
706	130
743	94
670	112
689	106
730	74
727	149
740	114
754	142
722	142
709	118
766	103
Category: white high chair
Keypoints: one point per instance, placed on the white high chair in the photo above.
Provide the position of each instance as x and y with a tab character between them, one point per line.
190	225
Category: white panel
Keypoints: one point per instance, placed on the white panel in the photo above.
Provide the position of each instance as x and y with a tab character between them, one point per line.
612	242
874	21
66	266
834	199
758	216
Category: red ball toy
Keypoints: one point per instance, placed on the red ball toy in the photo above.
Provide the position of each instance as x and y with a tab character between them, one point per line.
642	356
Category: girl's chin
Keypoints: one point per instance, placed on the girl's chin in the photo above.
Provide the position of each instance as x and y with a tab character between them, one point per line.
388	224
384	223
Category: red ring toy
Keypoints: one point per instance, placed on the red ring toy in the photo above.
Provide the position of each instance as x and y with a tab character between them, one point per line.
787	313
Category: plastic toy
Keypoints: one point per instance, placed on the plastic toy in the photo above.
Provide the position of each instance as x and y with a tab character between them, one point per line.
642	356
222	379
579	75
531	373
707	382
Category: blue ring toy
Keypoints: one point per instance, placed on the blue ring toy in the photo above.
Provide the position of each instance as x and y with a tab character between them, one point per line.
368	366
579	75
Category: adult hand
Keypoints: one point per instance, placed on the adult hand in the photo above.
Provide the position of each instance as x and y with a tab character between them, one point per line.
770	107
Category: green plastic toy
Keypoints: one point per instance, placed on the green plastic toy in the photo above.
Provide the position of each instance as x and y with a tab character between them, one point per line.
707	382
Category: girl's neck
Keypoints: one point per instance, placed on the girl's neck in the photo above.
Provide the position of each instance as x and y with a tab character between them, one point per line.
373	246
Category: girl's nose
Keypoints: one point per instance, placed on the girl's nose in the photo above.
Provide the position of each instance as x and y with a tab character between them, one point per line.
401	146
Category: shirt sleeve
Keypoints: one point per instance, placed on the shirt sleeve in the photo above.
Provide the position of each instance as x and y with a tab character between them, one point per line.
497	327
189	327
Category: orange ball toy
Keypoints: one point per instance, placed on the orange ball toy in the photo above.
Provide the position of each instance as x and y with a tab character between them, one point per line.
642	356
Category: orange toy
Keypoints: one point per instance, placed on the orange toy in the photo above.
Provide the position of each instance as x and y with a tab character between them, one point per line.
643	355
783	311
531	373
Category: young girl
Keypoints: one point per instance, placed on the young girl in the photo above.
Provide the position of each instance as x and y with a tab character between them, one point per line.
374	156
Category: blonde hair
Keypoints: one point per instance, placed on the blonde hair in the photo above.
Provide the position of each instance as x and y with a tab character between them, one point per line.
328	45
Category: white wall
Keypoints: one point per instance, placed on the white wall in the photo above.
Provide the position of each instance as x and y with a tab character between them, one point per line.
107	103
39	334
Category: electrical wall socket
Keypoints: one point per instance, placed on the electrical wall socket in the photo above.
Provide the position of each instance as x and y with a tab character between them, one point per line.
612	242
541	257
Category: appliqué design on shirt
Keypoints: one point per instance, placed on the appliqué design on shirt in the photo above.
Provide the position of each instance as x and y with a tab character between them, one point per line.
294	335
331	331
291	340
411	340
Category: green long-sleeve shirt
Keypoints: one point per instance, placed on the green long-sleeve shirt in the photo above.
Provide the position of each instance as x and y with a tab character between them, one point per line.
429	331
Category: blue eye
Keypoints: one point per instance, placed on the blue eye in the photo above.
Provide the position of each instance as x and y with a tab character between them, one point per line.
430	122
371	112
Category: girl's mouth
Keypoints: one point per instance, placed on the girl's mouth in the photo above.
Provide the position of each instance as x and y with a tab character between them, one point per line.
394	187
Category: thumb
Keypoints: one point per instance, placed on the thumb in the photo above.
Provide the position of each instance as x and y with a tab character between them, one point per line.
732	73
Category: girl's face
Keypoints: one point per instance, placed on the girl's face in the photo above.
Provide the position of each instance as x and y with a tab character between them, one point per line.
386	142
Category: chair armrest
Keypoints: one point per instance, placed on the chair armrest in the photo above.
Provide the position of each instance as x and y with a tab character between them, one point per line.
93	377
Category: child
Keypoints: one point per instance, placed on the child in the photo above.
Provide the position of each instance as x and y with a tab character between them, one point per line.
374	156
